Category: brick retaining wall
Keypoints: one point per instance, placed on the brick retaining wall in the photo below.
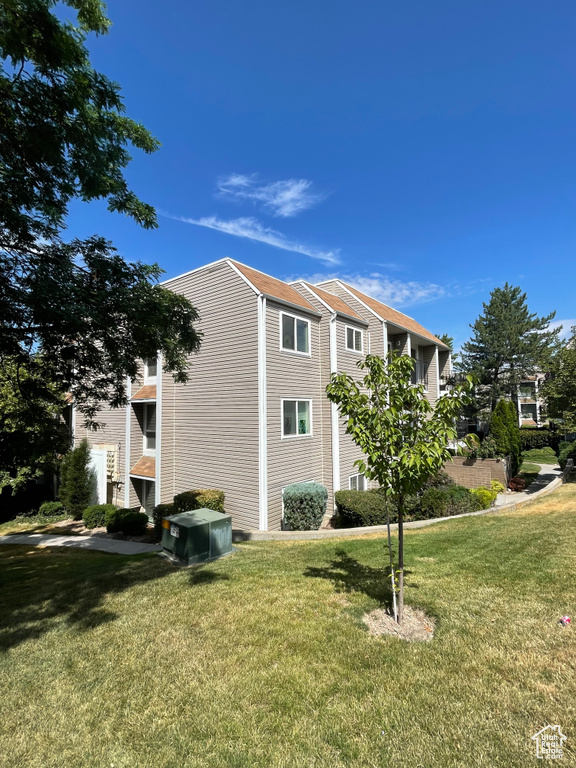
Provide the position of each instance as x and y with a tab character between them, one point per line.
472	473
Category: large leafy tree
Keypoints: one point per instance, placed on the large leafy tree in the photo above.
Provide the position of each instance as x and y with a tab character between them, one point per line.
508	344
559	389
64	135
403	437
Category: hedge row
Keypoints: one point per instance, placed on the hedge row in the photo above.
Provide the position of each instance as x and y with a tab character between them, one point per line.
538	438
439	497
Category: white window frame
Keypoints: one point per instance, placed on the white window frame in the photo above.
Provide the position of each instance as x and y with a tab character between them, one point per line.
145	450
147	378
295	351
295	400
357	475
355	330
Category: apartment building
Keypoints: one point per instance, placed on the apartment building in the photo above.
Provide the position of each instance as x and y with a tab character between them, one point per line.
254	416
529	404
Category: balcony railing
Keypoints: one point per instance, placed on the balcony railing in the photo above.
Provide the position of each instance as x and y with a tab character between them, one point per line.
420	373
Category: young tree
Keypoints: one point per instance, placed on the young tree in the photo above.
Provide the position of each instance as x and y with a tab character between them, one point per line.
559	389
64	136
403	437
509	343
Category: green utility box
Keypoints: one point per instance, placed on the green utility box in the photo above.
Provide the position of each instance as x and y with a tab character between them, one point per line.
197	536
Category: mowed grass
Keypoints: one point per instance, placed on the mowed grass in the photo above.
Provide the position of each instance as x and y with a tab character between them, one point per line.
261	660
540	456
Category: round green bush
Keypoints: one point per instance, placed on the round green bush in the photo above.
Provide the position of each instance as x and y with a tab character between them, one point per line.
486	497
95	516
567	451
126	521
361	508
51	509
304	506
160	512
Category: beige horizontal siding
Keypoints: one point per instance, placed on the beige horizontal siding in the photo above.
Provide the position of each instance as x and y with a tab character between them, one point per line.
210	424
292	376
112	432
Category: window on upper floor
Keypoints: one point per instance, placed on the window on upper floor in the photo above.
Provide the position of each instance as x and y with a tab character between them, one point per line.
354	340
357	482
149	428
294	334
150	369
296	418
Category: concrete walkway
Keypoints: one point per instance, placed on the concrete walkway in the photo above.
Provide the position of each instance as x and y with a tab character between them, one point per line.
99	543
547	473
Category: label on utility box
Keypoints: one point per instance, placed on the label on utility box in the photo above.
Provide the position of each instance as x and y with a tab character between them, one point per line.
174	531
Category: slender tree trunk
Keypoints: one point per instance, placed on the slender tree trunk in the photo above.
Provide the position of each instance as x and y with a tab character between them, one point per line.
392	579
400	559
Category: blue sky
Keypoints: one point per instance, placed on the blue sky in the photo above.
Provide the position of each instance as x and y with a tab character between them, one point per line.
425	151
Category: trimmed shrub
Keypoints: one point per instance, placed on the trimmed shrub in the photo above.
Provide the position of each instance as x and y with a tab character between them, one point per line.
456	500
161	511
304	505
486	497
497	487
209	498
488	449
76	481
440	480
359	508
538	438
126	521
567	451
517	484
51	509
95	516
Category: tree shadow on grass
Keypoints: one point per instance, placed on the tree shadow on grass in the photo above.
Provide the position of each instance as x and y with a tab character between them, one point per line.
41	589
349	575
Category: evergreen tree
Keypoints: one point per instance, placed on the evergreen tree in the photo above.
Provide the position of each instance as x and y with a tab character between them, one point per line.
508	344
498	430
76	480
505	432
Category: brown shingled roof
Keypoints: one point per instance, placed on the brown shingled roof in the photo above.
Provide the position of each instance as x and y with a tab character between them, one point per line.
334	302
145	467
146	393
393	316
273	287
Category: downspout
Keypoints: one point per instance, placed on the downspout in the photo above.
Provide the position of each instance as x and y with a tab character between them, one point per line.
334	416
262	419
127	447
157	484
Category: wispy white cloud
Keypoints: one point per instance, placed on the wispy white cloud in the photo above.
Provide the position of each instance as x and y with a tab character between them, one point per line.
565	325
284	198
395	293
252	229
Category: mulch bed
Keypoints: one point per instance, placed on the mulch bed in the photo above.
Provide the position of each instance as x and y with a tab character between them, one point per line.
416	626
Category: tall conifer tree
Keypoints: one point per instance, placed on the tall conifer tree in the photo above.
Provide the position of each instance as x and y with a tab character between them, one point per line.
508	344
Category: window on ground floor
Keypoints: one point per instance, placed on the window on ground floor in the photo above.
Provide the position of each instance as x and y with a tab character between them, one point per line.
296	418
357	482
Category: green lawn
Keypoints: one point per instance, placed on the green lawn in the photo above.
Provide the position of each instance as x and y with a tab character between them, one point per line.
260	659
540	456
